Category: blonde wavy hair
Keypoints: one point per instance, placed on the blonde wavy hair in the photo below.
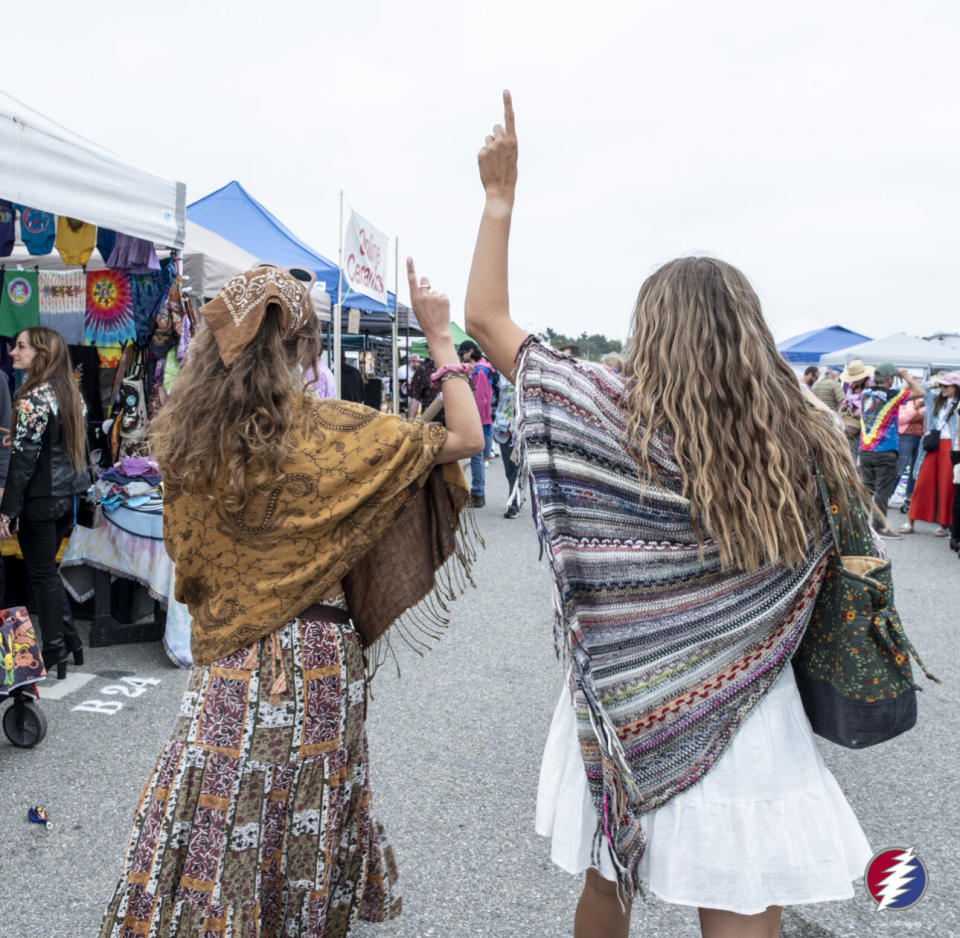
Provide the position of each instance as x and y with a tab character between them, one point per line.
228	429
703	370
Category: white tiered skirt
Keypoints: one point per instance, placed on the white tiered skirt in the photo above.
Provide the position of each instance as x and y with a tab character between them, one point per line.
767	825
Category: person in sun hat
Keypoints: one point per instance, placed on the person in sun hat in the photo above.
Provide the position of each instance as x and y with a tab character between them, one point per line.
854	378
880	406
934	490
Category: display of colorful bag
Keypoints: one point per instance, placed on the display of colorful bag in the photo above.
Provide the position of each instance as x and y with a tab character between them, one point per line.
853	664
22	664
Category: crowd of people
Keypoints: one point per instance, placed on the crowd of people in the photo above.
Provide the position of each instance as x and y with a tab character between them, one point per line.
895	433
303	525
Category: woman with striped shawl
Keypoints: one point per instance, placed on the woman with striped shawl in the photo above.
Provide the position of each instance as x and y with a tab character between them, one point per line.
677	508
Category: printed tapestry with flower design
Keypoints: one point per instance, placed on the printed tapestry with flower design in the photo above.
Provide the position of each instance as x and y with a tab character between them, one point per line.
109	320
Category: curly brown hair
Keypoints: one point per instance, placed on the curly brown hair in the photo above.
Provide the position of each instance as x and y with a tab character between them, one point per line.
228	429
705	371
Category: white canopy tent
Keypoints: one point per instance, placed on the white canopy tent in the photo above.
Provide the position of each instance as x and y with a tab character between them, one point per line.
47	167
209	261
905	351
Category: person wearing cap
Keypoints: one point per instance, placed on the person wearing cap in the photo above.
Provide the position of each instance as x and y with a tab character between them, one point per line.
854	379
933	493
880	407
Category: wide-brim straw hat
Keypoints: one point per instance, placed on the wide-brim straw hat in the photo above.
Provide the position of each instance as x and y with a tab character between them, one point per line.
856	371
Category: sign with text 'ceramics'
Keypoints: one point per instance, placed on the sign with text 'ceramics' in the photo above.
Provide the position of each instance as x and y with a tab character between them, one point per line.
365	258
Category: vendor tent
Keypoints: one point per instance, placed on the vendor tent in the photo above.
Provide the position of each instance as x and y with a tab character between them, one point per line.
234	214
47	167
905	351
808	347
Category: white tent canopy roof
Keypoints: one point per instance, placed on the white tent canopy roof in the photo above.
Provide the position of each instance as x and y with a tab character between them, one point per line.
47	167
210	261
905	351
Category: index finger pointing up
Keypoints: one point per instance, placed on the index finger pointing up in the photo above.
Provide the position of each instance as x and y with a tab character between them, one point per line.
411	275
508	113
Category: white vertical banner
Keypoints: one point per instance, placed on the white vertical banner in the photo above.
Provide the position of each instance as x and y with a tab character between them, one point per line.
365	258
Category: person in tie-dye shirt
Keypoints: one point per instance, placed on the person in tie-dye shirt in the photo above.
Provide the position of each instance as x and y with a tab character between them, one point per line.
879	437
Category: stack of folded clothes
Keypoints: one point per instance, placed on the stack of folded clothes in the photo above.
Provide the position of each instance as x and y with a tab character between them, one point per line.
131	495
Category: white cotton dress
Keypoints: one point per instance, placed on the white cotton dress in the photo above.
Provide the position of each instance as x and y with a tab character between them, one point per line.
767	825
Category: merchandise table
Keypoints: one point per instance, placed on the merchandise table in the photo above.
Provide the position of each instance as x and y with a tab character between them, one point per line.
95	556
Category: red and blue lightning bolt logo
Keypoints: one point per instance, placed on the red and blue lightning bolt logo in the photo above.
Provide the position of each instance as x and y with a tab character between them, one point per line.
896	878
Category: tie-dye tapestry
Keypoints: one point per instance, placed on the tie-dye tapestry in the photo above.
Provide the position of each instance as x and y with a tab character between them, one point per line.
109	319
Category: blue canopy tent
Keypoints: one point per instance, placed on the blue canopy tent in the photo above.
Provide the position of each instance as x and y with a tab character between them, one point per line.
236	215
807	348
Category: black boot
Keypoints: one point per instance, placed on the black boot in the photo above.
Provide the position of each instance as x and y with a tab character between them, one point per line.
55	649
70	636
72	640
55	653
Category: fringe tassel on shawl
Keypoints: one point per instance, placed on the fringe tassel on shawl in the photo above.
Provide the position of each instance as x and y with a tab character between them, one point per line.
429	617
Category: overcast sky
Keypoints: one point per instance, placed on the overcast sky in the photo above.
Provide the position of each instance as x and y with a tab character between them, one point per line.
813	144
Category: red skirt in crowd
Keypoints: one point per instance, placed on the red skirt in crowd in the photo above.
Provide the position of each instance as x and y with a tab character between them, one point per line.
933	494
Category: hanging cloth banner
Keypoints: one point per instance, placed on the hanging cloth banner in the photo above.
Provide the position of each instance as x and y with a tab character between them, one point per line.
365	258
63	302
19	304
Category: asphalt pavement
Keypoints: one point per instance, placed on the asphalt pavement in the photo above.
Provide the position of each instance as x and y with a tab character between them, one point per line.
455	751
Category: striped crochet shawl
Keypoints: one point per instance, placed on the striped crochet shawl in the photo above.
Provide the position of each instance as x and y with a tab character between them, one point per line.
668	653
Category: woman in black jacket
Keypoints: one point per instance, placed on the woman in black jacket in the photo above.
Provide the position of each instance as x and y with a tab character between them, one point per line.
48	467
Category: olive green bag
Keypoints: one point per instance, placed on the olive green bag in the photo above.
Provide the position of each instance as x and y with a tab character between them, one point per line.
853	664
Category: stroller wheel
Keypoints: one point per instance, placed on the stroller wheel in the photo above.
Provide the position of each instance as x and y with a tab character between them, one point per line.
905	507
24	723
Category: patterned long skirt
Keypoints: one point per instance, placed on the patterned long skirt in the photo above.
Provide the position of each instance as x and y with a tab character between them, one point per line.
257	819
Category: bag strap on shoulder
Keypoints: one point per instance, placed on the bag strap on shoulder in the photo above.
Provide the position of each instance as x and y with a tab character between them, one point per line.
828	507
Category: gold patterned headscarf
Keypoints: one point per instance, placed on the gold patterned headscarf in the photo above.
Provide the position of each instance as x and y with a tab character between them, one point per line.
236	313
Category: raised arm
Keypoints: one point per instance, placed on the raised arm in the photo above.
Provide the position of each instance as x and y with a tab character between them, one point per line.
487	305
916	388
464	432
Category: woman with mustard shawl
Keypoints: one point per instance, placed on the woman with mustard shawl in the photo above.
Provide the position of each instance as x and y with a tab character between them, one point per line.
300	529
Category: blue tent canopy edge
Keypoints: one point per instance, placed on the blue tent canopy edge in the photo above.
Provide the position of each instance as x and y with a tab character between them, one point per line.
809	346
234	214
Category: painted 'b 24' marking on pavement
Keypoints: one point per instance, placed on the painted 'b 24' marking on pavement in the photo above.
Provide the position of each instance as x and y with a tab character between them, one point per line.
127	687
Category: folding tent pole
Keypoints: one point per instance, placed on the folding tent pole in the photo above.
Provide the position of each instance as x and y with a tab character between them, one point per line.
395	386
337	324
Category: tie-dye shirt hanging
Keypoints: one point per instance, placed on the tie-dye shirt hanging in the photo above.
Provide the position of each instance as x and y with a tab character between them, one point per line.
109	319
